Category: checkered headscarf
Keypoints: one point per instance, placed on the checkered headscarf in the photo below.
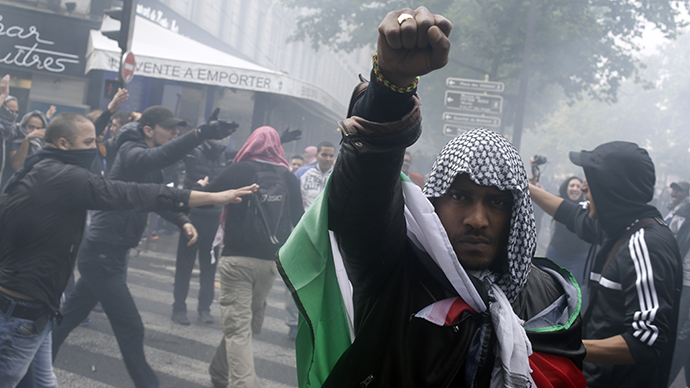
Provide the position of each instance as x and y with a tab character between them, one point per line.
490	160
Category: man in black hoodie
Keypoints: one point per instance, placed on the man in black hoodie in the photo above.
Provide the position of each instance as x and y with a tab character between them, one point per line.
635	278
142	154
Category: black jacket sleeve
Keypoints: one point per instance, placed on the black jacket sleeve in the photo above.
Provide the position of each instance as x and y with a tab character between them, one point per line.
382	105
366	209
577	220
649	270
177	218
95	192
147	159
102	121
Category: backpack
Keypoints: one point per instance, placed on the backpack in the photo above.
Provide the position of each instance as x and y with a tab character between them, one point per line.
267	220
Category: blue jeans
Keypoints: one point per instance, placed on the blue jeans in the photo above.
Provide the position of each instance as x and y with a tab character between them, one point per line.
21	347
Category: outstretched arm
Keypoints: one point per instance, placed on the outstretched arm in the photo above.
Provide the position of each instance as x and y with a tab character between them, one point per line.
222	198
545	200
365	197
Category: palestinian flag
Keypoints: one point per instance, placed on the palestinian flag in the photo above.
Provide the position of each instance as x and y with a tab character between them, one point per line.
306	264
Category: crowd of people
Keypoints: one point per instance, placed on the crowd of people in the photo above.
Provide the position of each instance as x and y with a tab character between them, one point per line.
393	278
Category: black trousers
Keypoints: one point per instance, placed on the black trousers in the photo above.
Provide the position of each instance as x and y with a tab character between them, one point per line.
206	222
103	270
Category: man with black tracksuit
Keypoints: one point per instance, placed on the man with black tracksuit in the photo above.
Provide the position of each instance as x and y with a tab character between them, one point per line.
42	214
142	154
206	160
635	278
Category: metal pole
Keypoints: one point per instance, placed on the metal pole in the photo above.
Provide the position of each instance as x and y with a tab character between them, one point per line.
126	27
524	76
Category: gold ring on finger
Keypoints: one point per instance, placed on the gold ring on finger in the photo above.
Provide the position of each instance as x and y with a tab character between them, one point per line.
404	17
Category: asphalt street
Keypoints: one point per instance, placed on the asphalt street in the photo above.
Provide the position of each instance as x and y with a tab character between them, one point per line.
179	355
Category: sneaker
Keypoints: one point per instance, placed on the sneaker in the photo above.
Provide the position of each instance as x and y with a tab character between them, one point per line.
206	317
180	318
292	334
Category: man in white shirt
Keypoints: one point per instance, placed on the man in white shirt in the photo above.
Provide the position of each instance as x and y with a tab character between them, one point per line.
314	180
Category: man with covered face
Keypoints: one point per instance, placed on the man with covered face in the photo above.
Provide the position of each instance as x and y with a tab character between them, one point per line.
403	288
634	278
42	216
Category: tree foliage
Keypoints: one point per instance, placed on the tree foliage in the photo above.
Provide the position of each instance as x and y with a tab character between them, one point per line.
656	119
585	46
583	49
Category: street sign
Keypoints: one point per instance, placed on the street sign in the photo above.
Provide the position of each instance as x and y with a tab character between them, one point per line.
454	130
474	84
128	66
462	118
473	102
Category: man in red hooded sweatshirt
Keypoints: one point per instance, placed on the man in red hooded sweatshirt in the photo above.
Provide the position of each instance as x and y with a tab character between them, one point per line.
249	236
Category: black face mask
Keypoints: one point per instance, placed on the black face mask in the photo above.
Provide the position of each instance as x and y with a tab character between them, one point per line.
11	114
82	158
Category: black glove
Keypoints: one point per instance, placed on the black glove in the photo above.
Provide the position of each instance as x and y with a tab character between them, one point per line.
289	136
215	129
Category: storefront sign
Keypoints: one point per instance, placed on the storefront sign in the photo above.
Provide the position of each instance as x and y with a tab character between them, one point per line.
185	60
159	17
32	40
218	76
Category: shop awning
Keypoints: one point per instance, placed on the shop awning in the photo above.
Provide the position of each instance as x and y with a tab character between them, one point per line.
161	53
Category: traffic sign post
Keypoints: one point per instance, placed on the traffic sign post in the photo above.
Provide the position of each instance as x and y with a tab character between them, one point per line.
127	67
462	118
473	84
474	102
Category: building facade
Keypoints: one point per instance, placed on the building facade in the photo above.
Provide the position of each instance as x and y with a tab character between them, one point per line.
50	50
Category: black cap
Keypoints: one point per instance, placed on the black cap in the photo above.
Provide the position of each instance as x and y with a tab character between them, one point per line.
578	157
681	186
160	115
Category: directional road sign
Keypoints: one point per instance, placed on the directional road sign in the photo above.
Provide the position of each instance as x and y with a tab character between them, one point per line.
463	118
454	130
473	102
474	84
